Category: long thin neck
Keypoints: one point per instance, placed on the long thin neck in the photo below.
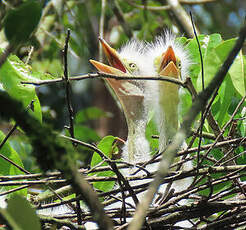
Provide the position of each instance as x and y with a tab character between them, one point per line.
136	123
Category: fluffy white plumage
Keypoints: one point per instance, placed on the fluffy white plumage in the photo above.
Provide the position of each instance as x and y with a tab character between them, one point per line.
134	52
161	43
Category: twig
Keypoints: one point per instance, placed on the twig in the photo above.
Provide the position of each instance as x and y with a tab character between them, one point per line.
101	28
203	85
13	190
153	8
111	163
29	55
227	124
68	86
60	223
106	75
70	110
196	1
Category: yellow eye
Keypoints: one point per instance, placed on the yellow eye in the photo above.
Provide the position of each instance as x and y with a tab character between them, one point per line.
132	66
178	64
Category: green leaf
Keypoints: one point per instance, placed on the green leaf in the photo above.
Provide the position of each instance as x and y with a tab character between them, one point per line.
12	72
85	133
91	113
207	43
108	147
53	66
238	68
20	215
151	130
21	22
7	168
225	94
182	40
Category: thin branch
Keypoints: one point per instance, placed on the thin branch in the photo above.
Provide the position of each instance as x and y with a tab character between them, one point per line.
203	85
226	125
60	223
68	87
112	165
192	2
153	8
101	27
106	75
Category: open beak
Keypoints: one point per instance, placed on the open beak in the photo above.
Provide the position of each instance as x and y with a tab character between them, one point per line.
105	68
116	66
168	64
112	56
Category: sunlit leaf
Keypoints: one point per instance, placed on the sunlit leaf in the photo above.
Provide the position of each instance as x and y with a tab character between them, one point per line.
207	43
108	147
238	68
151	130
12	72
226	93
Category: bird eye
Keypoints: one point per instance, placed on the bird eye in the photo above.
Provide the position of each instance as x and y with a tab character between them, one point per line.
179	64
132	66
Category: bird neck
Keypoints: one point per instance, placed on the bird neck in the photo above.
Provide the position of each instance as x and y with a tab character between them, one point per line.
169	101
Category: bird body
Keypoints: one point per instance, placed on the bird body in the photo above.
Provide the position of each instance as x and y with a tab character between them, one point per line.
163	57
170	59
129	60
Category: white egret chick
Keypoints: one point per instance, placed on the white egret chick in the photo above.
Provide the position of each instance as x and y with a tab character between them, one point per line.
129	60
170	59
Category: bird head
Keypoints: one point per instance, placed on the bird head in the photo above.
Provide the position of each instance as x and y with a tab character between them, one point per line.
168	56
168	64
126	61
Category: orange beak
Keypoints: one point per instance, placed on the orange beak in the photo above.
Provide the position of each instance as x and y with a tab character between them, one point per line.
116	68
105	68
168	64
127	91
112	56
